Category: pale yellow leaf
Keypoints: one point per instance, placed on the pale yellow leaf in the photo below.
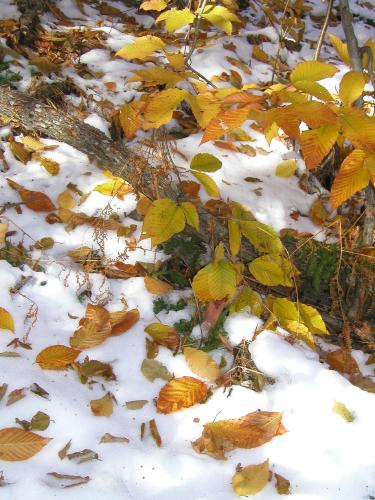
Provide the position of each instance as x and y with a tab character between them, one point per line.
208	183
351	87
314	89
312	71
201	363
341	48
286	168
251	479
156	5
176	19
141	47
6	320
102	407
221	17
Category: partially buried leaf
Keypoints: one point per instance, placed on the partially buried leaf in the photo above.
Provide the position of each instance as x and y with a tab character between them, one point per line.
181	393
62	453
16	395
10	354
108	438
153	369
201	363
343	411
122	321
66	200
33	144
156	286
17	444
205	162
40	421
282	485
56	357
102	407
82	456
342	362
93	368
39	391
155	432
164	335
286	168
249	431
251	479
6	320
136	405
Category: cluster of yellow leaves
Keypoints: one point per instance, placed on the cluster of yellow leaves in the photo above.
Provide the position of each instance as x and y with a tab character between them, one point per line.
95	327
165	217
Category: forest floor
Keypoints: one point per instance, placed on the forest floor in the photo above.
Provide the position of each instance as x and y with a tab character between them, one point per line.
322	455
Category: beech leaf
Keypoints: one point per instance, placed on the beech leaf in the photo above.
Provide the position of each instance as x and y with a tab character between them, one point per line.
251	479
17	444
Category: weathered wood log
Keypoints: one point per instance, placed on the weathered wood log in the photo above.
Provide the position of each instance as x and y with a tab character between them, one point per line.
20	110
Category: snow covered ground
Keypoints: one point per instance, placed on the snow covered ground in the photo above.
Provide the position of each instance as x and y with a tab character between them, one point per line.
323	456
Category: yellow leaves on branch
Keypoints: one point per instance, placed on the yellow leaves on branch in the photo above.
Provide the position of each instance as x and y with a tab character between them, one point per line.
251	479
340	47
351	87
165	217
181	393
17	444
156	76
176	19
352	177
317	143
250	431
161	106
273	270
312	71
141	47
56	357
220	17
201	363
359	129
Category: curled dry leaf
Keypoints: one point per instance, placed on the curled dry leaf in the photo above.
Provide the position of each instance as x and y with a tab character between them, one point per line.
102	407
16	395
56	357
249	431
201	363
181	393
156	286
282	485
108	438
251	479
122	321
17	444
164	335
95	328
68	480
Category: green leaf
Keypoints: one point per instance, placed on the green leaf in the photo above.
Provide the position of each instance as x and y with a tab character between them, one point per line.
205	162
209	184
153	369
163	219
272	270
262	237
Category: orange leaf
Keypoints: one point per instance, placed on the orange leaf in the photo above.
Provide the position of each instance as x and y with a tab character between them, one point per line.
156	286
317	143
180	393
56	357
342	362
122	321
352	177
287	119
164	335
95	328
17	444
249	431
315	114
39	202
224	122
359	129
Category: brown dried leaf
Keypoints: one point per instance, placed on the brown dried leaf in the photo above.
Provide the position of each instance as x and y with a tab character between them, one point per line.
155	433
282	485
16	395
164	335
342	362
73	480
153	369
102	407
108	438
95	328
63	452
136	405
40	421
35	200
